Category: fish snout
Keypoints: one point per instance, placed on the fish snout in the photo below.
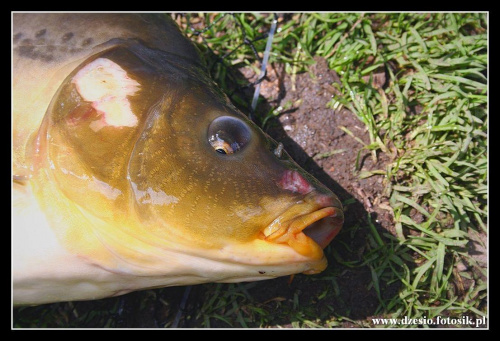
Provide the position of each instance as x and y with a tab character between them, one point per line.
312	223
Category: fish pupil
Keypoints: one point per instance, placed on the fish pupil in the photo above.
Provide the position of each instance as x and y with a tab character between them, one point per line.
228	135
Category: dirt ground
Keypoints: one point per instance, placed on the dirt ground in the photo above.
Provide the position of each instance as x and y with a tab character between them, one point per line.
311	133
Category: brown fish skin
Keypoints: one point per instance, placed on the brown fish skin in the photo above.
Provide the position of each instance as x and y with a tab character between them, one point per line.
141	171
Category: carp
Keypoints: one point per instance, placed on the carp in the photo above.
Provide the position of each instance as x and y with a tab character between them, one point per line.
132	170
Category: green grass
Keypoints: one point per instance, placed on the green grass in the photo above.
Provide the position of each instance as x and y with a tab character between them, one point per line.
431	122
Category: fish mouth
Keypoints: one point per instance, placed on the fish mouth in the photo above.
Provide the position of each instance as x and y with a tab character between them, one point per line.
307	233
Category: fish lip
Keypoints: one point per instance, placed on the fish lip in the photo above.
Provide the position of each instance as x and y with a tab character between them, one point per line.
307	227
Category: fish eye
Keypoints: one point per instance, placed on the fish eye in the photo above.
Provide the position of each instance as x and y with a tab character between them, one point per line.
228	135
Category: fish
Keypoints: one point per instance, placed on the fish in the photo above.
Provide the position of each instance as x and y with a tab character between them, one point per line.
132	170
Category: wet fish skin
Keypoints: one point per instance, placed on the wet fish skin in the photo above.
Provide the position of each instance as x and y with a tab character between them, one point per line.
133	170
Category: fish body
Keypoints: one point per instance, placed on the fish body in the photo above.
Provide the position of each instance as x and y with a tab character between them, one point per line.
132	170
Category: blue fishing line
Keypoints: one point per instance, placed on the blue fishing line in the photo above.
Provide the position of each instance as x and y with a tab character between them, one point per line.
264	63
182	306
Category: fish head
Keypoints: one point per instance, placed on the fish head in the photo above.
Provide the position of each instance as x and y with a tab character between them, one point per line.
226	186
158	174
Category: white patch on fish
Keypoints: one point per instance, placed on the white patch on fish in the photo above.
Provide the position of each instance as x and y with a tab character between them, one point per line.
107	85
150	196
